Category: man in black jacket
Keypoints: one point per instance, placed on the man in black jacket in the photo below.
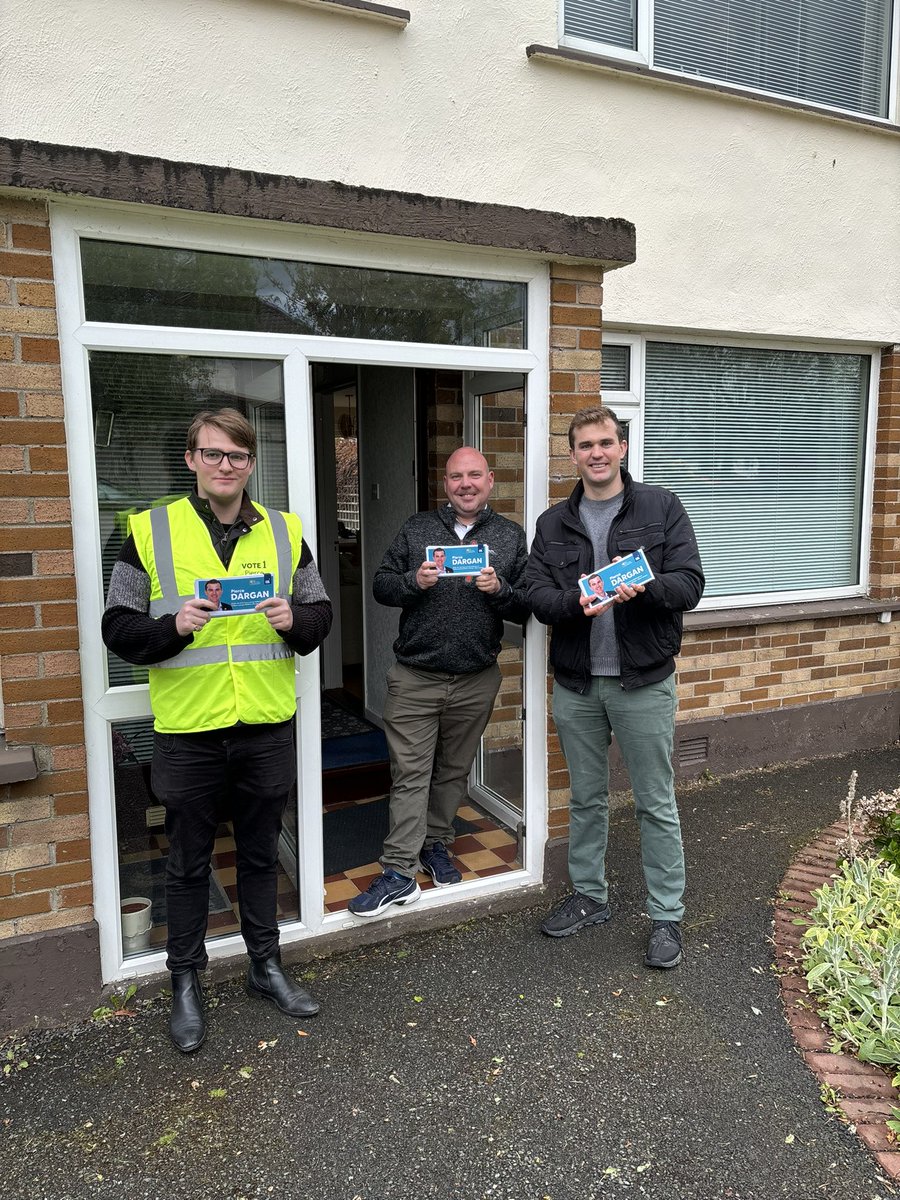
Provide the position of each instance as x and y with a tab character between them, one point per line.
614	670
442	688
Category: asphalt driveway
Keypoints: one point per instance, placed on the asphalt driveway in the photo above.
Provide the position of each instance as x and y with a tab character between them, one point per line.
484	1060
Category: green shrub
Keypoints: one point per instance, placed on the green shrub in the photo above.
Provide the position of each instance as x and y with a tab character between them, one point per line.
852	958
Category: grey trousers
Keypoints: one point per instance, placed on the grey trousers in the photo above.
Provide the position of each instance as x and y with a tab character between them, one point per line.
433	723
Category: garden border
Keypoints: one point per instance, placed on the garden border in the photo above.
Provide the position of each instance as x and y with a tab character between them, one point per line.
865	1092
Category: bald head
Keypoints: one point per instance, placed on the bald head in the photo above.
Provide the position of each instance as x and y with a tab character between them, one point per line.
468	481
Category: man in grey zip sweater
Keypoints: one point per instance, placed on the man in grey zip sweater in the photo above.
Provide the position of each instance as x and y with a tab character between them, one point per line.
442	688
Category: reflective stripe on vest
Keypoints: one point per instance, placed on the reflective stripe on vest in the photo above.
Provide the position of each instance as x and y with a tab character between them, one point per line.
202	656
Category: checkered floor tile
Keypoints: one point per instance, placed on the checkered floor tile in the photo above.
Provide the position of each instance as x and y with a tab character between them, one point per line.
489	850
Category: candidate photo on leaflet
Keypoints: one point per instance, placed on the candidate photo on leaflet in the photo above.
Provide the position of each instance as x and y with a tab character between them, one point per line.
213	590
439	558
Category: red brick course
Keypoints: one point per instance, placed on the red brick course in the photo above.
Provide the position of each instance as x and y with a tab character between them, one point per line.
865	1092
45	870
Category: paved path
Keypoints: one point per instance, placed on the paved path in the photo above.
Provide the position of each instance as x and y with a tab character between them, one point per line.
482	1061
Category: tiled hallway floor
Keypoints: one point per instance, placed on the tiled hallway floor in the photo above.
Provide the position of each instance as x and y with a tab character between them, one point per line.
488	849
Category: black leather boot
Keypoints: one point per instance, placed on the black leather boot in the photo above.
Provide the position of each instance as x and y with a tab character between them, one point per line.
187	1025
268	980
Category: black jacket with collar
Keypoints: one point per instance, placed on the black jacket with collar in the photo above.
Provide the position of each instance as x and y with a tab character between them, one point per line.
648	628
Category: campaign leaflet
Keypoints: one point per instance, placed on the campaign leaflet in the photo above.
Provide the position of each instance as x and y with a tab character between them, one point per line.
458	562
234	595
599	587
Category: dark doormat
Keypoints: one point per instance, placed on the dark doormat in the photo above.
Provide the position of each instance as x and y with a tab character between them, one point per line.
353	836
354	750
338	721
147	877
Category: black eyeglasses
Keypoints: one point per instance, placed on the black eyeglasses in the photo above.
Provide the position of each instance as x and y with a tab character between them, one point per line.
239	459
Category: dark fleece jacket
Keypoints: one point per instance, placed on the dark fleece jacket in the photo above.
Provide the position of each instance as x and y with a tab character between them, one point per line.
452	626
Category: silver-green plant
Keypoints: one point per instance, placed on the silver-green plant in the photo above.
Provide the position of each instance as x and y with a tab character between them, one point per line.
852	958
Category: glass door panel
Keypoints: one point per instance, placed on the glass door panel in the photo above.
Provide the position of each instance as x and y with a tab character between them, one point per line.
495	414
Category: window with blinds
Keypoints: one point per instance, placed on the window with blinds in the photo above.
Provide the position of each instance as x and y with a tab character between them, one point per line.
821	51
766	450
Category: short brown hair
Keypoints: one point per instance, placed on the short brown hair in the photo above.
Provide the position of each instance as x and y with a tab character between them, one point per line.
228	421
594	416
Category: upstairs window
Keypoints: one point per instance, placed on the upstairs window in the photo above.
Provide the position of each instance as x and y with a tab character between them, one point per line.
819	51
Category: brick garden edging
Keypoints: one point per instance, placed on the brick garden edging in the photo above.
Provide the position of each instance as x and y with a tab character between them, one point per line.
865	1093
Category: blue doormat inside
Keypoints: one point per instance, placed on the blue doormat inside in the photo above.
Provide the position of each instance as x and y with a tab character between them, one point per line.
354	751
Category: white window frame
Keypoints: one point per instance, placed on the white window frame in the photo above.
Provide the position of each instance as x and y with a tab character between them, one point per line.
643	56
626	404
70	222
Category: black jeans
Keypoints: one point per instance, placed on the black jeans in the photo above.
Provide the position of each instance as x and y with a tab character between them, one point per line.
246	771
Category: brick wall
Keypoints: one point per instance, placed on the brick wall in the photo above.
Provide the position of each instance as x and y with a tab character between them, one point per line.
45	869
751	668
884	565
503	443
444	430
744	669
576	300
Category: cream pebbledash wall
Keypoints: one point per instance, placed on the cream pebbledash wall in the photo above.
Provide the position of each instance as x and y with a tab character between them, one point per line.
751	219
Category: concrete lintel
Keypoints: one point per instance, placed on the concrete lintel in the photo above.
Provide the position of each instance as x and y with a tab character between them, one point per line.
39	167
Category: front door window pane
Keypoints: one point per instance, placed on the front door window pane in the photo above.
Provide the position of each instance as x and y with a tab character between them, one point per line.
159	285
142	407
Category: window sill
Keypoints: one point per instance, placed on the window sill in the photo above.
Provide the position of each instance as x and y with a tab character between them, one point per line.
385	13
561	56
772	614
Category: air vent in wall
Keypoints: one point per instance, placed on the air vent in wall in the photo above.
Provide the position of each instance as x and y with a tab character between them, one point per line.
692	751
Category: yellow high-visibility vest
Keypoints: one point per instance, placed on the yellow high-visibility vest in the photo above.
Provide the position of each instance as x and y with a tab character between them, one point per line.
238	668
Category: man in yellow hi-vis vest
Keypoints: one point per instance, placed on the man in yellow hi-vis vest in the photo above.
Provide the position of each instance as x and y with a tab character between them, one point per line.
223	698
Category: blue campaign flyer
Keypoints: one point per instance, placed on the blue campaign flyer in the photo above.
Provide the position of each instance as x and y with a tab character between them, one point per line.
458	562
633	569
235	594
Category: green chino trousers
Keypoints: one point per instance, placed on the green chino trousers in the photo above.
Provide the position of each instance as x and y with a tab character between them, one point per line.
643	722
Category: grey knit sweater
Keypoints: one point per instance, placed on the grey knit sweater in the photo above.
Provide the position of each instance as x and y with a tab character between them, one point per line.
452	626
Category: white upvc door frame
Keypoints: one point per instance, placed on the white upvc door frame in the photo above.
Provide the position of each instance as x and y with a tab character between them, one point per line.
72	221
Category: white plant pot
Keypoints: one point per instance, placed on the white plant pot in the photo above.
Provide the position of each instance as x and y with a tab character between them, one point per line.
136	923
